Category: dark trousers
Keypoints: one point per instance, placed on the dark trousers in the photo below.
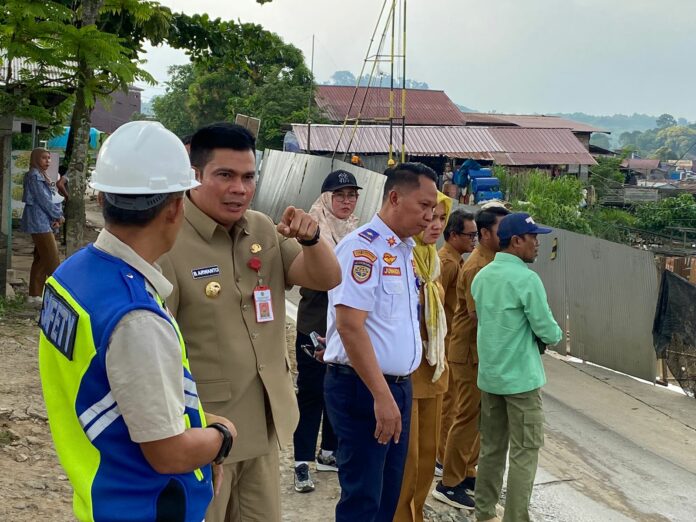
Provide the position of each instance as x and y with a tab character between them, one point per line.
310	400
370	473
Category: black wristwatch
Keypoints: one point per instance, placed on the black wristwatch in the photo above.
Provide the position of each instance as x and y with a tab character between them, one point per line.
310	242
226	442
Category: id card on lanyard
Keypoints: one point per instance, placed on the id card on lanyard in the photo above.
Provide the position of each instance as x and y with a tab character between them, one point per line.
263	304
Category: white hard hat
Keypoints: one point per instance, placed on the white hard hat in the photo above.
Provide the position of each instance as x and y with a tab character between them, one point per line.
142	157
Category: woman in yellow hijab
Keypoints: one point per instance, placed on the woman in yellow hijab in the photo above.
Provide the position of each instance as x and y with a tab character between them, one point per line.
430	379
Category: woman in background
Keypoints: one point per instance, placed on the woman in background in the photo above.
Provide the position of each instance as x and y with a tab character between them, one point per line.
430	379
333	210
42	216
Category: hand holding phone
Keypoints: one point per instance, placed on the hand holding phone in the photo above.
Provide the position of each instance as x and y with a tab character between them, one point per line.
318	347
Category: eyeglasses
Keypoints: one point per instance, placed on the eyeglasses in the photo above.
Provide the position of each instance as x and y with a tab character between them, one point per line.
345	196
470	235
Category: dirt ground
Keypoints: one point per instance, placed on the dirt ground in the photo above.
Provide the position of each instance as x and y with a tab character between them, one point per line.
34	487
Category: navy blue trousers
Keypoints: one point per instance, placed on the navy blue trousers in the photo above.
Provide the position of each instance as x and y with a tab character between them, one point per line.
370	473
310	400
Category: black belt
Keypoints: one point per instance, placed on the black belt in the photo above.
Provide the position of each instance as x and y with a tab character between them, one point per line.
348	370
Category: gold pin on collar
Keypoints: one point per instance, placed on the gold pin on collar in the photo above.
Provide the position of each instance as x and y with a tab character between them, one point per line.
256	248
212	289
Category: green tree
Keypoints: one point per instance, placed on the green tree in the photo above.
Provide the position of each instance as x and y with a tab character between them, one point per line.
606	175
679	211
105	61
665	120
35	83
678	139
664	153
235	69
600	140
552	201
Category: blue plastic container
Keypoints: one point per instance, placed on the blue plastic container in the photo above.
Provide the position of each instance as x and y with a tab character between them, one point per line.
486	195
484	184
481	173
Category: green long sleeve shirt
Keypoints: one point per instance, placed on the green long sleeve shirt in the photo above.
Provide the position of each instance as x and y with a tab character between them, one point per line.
511	307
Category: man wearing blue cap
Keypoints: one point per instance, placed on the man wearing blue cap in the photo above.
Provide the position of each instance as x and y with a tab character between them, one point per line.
513	313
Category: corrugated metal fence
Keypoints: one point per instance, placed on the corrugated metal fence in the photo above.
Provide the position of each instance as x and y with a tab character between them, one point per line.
287	178
604	295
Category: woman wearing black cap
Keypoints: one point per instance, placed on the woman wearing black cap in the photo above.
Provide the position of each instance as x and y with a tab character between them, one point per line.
333	210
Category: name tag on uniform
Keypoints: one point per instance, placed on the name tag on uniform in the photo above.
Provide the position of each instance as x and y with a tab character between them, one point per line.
263	304
206	271
58	322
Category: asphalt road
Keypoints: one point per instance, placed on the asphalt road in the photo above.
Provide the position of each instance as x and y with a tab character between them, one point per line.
616	449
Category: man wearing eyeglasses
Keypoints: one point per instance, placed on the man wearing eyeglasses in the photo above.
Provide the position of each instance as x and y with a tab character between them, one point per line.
462	447
460	238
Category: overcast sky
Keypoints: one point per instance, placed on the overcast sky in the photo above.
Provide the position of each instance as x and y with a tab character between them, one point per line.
520	56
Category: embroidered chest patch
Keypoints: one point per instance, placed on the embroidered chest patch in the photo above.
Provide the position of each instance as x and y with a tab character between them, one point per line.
370	256
389	258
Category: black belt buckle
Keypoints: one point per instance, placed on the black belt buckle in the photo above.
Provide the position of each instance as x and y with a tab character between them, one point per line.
396	379
349	370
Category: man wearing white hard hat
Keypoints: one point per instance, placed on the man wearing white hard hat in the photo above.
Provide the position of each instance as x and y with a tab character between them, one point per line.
230	268
122	404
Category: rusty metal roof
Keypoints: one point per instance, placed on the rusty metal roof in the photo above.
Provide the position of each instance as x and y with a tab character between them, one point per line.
535	121
483	119
423	107
504	145
641	164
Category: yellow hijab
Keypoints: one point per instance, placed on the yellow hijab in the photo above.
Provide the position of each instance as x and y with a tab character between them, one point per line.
428	271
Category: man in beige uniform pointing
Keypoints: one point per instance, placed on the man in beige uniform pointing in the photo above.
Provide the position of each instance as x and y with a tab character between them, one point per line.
230	267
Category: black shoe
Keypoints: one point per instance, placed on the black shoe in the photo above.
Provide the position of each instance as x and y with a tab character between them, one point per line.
326	463
303	480
469	484
455	496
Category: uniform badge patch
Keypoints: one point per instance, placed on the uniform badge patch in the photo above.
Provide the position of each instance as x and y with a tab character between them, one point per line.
388	258
361	272
365	254
369	234
391	271
206	271
391	241
58	322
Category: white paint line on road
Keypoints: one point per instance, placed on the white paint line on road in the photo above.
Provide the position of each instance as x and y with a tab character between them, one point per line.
571	359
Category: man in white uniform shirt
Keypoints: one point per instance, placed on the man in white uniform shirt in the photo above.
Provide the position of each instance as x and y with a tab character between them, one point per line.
374	344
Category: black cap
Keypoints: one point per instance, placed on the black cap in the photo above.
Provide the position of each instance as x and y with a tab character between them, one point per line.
339	179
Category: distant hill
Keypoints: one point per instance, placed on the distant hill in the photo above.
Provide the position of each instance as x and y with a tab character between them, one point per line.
616	124
464	108
347	78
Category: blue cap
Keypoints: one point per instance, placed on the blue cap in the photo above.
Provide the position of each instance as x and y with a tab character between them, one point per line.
518	224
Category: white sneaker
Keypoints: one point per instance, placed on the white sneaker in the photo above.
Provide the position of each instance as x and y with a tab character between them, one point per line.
35	301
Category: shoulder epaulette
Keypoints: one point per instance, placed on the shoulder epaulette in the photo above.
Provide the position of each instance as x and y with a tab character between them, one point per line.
369	235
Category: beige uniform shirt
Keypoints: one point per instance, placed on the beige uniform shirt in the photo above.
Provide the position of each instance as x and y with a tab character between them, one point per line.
241	366
451	261
143	360
463	338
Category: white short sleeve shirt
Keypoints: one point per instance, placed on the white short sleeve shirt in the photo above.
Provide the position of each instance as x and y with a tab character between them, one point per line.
379	278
